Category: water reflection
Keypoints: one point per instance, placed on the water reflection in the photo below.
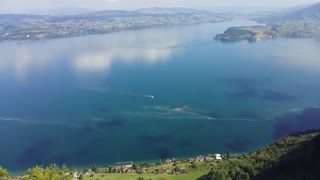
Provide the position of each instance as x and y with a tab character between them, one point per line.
102	61
70	104
21	58
88	54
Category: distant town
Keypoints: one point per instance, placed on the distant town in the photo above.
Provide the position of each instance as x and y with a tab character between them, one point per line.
37	27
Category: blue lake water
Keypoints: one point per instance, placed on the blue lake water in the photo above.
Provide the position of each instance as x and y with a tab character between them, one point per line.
82	100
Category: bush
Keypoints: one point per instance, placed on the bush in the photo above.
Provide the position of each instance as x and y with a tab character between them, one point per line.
3	172
193	166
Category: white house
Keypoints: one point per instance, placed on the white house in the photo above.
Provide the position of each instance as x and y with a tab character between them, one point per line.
218	156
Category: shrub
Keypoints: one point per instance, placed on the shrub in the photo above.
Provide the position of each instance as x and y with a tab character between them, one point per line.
3	172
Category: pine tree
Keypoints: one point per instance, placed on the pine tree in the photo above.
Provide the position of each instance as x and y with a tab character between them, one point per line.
228	153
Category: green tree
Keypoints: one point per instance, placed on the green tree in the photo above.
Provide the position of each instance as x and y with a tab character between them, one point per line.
94	168
136	166
52	172
3	173
228	153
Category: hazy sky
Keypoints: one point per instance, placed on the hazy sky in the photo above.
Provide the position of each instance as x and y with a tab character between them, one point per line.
22	5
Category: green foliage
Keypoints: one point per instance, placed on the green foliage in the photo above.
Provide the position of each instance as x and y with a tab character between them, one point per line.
3	172
136	166
81	176
250	166
52	172
174	164
64	168
193	165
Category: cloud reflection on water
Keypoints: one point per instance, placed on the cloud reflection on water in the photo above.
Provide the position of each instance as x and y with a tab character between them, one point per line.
88	54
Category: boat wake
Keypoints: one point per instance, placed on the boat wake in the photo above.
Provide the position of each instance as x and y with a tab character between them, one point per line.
184	112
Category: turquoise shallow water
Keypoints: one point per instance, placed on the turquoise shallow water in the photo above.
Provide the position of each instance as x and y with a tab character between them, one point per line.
81	101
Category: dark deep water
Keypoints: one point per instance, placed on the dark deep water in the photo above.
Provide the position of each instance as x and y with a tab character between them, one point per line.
82	101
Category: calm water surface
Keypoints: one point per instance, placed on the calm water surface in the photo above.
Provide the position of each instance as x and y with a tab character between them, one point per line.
81	101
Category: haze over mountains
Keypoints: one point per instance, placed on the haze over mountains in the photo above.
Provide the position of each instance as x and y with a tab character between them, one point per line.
311	12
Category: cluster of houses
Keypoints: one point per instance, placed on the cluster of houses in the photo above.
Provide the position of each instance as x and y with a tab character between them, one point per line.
205	158
123	167
176	170
127	167
179	170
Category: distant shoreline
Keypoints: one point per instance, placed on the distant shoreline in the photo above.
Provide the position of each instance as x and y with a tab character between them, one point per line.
41	27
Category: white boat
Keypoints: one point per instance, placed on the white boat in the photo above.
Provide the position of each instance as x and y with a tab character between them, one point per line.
149	96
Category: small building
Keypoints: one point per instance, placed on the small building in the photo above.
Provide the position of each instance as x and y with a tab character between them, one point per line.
127	164
168	161
191	160
120	169
199	159
178	170
209	159
77	174
218	156
160	170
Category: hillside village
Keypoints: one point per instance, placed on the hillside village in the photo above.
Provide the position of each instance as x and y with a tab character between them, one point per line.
168	166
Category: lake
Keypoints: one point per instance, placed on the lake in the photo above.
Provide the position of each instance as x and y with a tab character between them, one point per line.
87	100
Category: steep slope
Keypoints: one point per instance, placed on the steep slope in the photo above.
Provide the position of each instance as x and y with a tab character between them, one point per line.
292	157
301	163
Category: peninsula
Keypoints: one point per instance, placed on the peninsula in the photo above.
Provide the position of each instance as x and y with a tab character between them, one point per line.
301	23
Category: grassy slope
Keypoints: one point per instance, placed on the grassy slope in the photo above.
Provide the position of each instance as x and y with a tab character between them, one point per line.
134	176
192	174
